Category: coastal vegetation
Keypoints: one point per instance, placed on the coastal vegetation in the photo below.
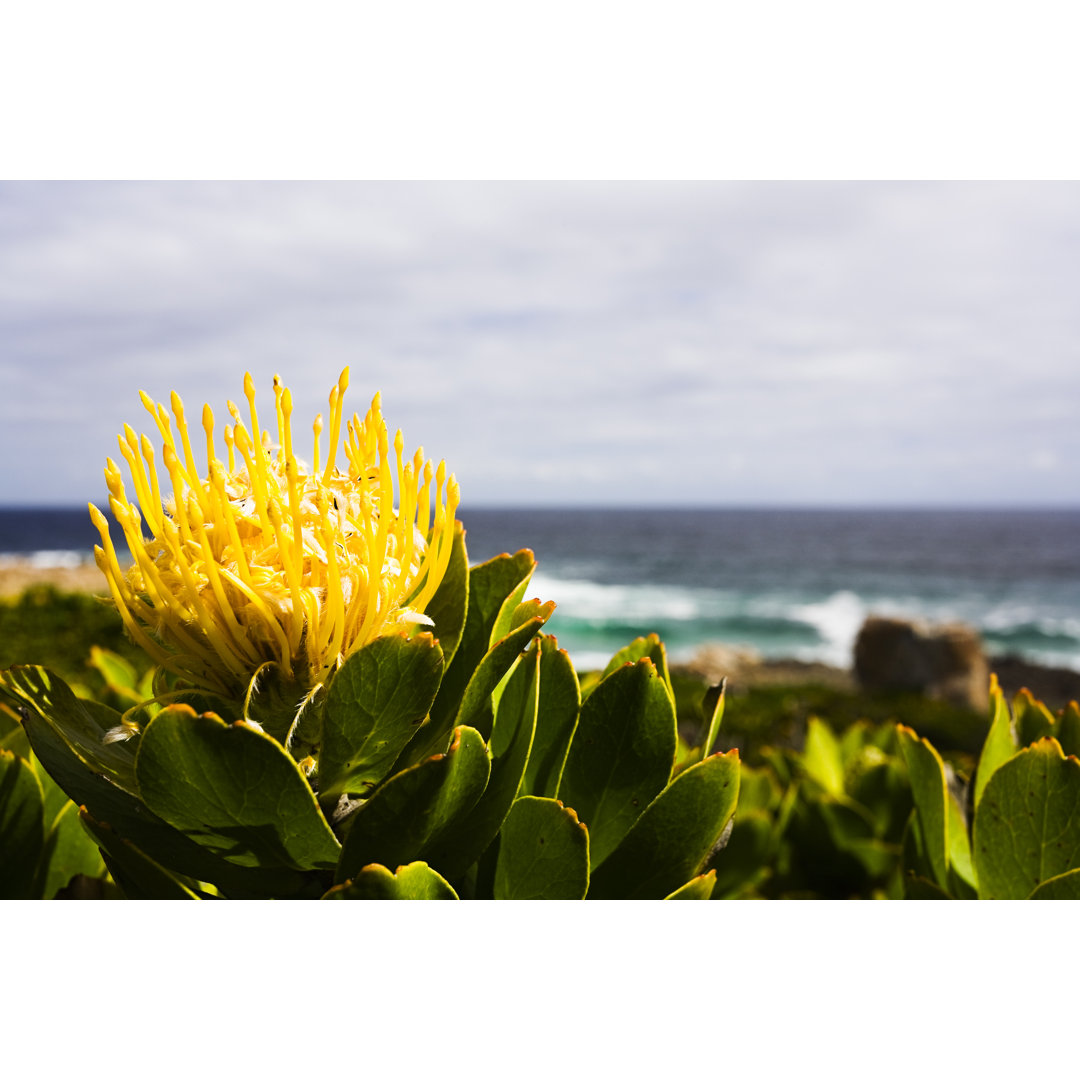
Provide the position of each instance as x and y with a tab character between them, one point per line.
826	805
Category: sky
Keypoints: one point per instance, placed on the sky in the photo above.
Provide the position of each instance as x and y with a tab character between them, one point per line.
812	343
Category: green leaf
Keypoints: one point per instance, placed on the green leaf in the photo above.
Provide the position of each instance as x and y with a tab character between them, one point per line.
495	590
130	817
543	853
960	864
521	567
449	605
119	675
139	877
821	757
476	704
272	701
698	888
649	646
920	888
1034	720
744	860
1000	742
234	790
12	736
1063	887
417	881
1026	825
673	838
929	790
83	724
621	756
455	851
22	828
713	708
374	704
1069	730
556	719
69	850
414	808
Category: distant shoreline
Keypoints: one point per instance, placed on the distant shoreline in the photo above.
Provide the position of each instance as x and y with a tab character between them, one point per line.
19	574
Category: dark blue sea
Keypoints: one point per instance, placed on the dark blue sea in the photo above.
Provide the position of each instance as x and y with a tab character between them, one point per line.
794	583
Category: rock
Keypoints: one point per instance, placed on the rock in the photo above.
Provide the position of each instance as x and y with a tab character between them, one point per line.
745	668
944	662
715	661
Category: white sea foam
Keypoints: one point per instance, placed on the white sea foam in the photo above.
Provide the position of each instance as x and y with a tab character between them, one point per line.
45	560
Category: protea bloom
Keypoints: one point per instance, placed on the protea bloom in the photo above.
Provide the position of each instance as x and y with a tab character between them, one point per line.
265	558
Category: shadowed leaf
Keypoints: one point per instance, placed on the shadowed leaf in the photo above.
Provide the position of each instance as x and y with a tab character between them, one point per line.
233	789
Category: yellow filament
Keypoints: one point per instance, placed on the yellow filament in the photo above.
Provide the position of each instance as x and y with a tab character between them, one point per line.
317	429
192	473
208	427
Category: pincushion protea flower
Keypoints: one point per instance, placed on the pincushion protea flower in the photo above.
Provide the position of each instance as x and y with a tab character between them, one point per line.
265	558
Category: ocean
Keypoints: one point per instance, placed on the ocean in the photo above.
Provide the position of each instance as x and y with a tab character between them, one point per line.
788	583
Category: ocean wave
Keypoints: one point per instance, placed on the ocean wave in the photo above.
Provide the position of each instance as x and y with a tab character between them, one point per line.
46	560
592	617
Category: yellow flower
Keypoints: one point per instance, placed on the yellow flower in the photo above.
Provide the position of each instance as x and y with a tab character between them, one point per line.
267	559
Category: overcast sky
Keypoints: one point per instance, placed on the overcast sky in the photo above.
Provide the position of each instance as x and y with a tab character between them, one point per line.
724	344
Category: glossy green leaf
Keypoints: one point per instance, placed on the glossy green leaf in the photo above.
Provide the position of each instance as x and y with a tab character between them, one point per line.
821	757
131	818
374	705
712	706
476	704
1000	742
556	719
1026	825
456	850
448	607
928	788
1063	887
521	566
698	888
543	853
22	828
621	756
495	590
232	789
673	838
82	724
648	646
416	881
414	808
137	875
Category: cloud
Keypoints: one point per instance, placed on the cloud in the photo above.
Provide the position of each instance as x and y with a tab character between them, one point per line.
567	343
